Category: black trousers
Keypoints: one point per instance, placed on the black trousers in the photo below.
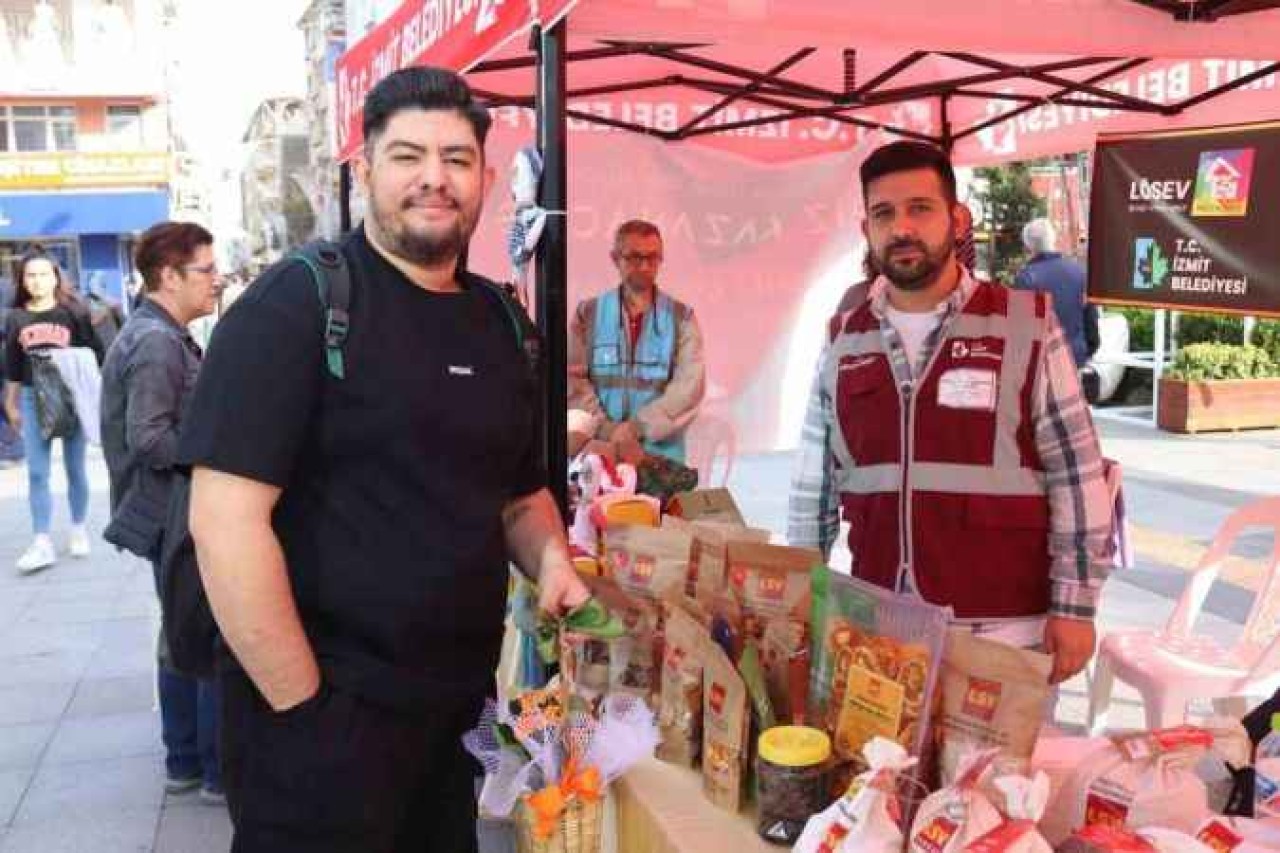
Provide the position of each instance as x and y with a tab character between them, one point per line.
339	775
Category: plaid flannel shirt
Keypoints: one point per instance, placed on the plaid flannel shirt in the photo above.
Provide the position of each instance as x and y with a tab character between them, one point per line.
1080	512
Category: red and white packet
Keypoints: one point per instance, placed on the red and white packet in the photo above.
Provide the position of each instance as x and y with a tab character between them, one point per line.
950	819
1025	801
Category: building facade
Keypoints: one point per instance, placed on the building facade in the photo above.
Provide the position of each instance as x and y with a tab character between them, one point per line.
85	160
324	30
277	210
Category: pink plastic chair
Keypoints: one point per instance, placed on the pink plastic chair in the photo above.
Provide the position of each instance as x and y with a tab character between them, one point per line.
710	438
1173	666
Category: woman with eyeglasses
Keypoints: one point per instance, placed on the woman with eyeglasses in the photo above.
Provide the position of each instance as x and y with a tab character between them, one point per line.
46	315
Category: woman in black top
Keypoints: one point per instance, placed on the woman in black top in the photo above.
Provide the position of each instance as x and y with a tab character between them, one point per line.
46	315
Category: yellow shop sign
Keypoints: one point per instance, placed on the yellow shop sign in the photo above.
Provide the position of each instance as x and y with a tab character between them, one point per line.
53	171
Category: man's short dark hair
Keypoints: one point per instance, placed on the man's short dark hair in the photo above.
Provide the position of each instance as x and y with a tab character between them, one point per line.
422	88
636	228
905	156
169	244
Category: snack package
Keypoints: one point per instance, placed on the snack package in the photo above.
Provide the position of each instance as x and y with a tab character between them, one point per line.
645	562
680	705
950	819
708	504
1134	781
1025	801
866	819
1172	841
1238	835
1100	838
993	695
876	660
708	565
770	585
725	722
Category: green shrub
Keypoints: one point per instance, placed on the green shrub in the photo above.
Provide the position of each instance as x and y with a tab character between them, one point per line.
1141	328
1210	328
1209	361
1266	334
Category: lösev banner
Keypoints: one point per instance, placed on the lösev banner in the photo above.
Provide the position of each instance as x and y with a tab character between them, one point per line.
454	34
1188	220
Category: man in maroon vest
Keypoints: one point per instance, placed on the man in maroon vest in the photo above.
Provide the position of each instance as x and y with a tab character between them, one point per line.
947	423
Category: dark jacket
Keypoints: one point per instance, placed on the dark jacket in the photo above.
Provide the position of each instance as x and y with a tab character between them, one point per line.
1064	279
147	377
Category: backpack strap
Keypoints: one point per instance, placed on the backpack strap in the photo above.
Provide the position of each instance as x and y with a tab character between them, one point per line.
329	270
525	332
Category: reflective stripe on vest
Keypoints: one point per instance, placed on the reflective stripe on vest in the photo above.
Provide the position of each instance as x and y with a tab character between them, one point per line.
1020	331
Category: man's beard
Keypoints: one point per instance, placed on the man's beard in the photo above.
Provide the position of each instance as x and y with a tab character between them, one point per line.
424	249
923	273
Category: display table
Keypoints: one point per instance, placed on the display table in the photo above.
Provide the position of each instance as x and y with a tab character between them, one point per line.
660	808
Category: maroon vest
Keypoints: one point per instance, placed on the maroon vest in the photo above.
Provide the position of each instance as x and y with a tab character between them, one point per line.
943	479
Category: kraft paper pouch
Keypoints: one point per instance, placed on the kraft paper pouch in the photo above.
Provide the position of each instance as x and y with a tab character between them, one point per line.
993	695
725	723
708	504
680	706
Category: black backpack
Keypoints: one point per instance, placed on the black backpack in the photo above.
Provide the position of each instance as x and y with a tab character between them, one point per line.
187	620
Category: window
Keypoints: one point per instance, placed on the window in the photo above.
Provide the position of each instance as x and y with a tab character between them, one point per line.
124	127
37	128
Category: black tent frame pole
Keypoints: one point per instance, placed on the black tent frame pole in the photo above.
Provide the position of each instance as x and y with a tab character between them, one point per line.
551	283
344	197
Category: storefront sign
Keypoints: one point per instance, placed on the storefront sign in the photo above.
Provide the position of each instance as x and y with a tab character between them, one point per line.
1188	220
58	214
59	171
452	34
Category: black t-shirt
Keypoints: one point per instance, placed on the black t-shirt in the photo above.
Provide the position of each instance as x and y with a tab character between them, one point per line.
394	477
58	327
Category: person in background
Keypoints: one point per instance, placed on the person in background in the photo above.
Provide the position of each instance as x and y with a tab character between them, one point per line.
946	421
1063	278
635	354
147	378
46	315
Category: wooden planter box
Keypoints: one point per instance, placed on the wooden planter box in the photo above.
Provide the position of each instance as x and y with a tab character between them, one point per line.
1221	405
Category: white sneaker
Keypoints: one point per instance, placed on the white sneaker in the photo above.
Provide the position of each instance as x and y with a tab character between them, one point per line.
40	555
78	546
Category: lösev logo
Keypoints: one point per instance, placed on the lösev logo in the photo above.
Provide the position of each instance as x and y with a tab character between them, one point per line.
1150	266
1222	183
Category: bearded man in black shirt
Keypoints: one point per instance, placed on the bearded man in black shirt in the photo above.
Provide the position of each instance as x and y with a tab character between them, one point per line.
353	534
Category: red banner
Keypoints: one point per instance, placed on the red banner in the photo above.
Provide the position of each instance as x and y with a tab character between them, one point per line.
449	33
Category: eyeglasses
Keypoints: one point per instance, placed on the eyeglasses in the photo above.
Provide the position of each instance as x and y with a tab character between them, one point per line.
205	269
636	259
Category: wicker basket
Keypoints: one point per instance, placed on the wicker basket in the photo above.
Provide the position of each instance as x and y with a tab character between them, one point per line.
579	830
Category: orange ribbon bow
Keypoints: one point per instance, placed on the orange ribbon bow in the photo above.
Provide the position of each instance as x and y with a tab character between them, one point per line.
550	803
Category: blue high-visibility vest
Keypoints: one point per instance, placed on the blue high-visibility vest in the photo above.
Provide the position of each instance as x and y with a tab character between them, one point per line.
626	382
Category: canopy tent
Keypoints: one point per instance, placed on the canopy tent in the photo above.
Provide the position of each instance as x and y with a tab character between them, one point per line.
774	104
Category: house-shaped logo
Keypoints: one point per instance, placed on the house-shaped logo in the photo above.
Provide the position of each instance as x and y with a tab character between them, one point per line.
1222	183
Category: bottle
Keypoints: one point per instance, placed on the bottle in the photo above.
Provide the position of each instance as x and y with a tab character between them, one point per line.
1266	763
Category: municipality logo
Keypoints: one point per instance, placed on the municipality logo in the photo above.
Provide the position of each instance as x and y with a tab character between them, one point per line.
1150	266
1222	183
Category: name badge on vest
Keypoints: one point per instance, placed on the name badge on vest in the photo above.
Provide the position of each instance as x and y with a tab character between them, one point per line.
606	355
968	388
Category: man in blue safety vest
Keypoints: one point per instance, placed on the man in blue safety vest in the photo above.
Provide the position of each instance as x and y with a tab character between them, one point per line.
635	354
